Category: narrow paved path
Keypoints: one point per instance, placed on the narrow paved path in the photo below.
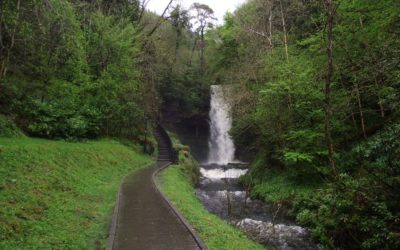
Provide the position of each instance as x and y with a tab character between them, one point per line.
145	221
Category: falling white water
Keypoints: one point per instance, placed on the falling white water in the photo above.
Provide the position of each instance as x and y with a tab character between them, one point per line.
220	144
219	173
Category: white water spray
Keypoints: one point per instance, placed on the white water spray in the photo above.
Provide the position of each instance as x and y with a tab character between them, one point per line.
220	144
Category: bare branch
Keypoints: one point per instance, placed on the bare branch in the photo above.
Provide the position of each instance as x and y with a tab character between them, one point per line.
143	6
260	33
160	20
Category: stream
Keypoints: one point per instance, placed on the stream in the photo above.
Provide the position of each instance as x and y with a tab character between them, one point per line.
219	188
222	195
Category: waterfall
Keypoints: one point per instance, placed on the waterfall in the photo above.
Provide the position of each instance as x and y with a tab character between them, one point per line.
220	144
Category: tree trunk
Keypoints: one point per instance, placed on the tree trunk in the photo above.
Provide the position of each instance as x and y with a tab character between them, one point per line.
353	118
5	60
192	52
360	109
285	40
177	45
270	18
202	51
160	20
380	101
330	11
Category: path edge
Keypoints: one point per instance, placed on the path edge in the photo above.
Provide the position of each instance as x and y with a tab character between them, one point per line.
189	227
114	219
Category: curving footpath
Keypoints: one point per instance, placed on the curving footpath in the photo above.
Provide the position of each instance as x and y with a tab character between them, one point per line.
143	219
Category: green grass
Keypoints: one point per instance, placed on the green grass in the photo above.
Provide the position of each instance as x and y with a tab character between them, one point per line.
214	232
59	195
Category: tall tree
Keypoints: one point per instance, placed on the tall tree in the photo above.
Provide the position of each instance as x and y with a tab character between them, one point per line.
285	39
204	16
180	21
160	19
8	28
330	14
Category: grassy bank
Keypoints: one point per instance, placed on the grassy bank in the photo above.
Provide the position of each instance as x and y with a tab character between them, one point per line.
59	195
214	232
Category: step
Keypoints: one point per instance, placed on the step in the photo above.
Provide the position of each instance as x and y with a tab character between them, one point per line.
164	150
162	143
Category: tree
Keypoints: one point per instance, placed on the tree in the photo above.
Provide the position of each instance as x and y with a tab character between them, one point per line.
204	16
160	19
71	67
285	39
9	20
330	12
180	20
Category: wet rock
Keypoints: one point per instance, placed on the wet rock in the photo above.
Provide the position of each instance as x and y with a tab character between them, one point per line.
222	195
280	236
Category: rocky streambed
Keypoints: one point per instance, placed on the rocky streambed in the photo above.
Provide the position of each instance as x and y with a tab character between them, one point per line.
220	192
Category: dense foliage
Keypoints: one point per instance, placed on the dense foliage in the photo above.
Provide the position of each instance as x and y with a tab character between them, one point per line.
73	69
275	54
177	59
8	128
69	68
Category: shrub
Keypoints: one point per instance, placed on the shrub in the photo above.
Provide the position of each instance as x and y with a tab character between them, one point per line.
63	114
186	160
8	127
360	209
